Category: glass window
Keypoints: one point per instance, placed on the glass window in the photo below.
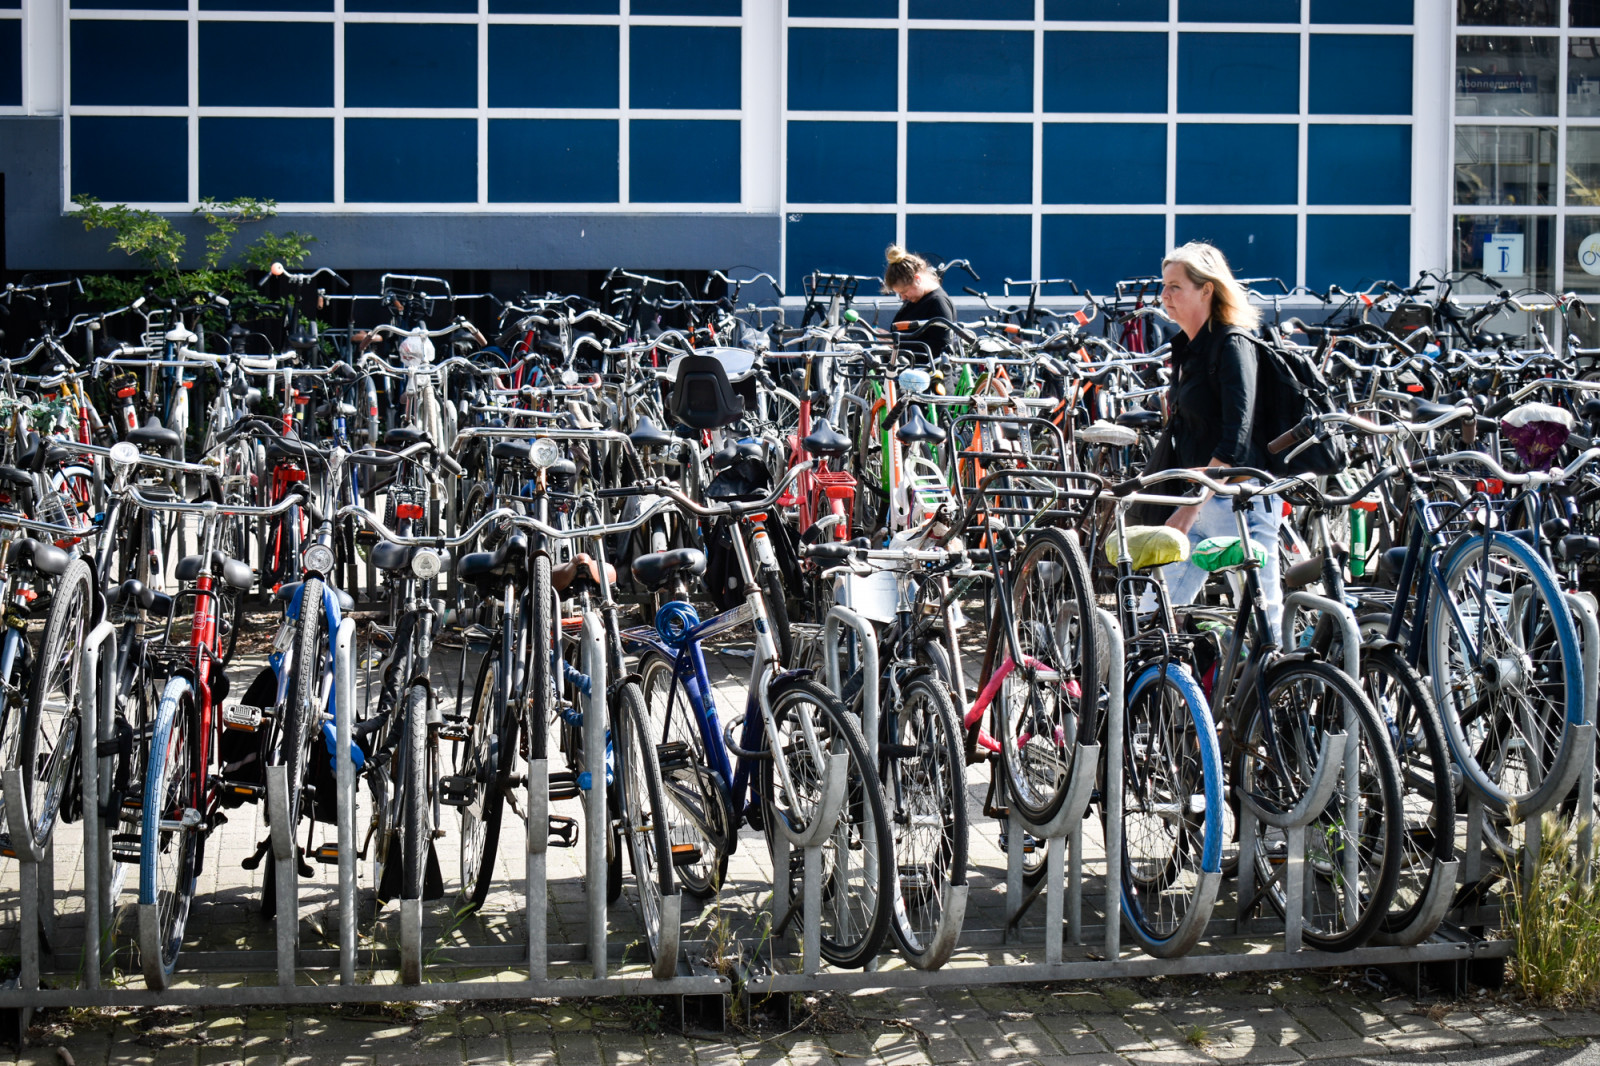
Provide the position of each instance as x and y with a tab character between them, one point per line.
1239	73
1507	12
102	147
111	63
841	162
684	67
1585	13
969	162
550	161
1360	74
1097	251
683	162
1105	163
1583	166
1353	251
1525	259
10	5
553	66
123	5
11	63
1256	246
835	244
998	246
553	7
1106	10
966	9
686	7
1581	252
266	5
843	70
1362	12
969	70
1505	76
1237	163
392	64
1086	72
285	159
411	160
856	9
1583	77
1239	10
453	7
1358	164
1511	165
237	58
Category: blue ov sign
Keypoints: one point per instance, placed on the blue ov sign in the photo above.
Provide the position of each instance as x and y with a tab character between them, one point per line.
1502	255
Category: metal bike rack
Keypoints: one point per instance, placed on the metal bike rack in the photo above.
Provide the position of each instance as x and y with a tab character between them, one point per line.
283	869
824	820
37	869
594	799
344	699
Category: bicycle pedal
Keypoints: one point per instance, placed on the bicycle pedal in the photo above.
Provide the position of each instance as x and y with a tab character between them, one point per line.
478	637
685	854
457	790
563	831
673	755
563	786
5	846
455	728
125	847
327	854
242	718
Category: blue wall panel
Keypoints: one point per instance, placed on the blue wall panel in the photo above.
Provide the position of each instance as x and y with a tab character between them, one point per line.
968	70
969	162
130	160
683	67
1360	74
842	70
1238	73
11	63
1105	163
1362	12
1237	163
410	65
553	66
1239	10
998	246
1257	246
727	8
1358	164
1106	10
683	161
266	5
553	7
966	9
861	9
841	162
449	7
237	59
553	160
285	159
835	244
1353	251
1089	71
410	160
112	62
1097	251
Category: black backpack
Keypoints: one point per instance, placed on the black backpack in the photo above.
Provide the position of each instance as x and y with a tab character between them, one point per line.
1290	389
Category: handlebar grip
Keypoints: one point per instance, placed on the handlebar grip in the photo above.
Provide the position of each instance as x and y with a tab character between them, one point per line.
1130	486
449	463
1298	434
619	492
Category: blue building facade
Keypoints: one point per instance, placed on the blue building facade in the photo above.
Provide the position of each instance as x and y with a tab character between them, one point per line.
1319	141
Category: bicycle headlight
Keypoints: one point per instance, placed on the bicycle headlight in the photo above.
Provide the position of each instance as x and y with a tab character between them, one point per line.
425	563
124	453
914	380
319	557
545	453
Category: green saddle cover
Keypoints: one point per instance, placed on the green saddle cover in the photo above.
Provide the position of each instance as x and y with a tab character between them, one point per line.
1222	553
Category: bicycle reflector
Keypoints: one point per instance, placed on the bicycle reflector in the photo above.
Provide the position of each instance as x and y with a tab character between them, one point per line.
674	621
408	510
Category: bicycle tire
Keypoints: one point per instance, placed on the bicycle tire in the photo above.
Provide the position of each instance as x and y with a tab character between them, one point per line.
856	921
771	582
48	744
488	758
697	812
1546	699
544	636
169	859
1053	613
643	809
1330	848
1170	757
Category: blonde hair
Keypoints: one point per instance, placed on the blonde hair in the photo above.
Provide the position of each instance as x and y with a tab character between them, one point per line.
1230	306
903	267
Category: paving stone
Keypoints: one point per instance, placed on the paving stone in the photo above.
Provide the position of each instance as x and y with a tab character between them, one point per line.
1319	1023
1256	1053
1119	1036
1438	1040
1342	1049
490	1050
1578	1023
1102	1058
575	1047
1169	1057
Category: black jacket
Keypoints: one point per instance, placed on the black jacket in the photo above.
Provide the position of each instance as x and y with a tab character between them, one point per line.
1214	399
935	304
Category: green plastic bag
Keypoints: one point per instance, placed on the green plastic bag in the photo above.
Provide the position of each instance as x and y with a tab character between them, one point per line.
1222	553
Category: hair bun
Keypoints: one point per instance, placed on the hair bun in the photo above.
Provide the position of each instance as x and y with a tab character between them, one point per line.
894	253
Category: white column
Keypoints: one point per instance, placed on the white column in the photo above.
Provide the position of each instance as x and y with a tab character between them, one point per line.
1432	135
761	85
42	45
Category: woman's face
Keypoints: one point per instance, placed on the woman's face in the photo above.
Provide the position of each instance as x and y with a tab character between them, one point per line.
1188	304
914	290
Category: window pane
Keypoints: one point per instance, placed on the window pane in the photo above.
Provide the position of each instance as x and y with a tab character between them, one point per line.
1358	165
965	9
382	164
689	67
1228	163
1504	165
1239	10
683	162
1360	74
1581	249
1256	246
547	161
1506	12
1353	251
392	64
1106	10
1362	12
237	58
841	162
1085	72
1583	166
1239	73
1583	76
998	246
1105	163
969	162
552	7
102	147
1525	259
111	65
1583	13
1097	251
842	70
11	63
853	9
960	70
285	159
553	66
1506	76
836	244
685	7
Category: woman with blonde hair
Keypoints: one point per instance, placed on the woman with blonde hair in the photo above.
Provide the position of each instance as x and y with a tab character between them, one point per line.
909	277
1214	415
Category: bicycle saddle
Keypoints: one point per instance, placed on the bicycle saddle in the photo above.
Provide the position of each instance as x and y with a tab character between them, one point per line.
477	566
653	570
513	451
291	450
403	437
581	567
18	478
1589	410
1139	419
650	435
916	429
825	440
235	574
44	557
154	435
391	557
135	591
1427	410
286	593
732	452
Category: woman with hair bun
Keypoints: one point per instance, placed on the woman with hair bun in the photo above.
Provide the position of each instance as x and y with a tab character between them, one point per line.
909	277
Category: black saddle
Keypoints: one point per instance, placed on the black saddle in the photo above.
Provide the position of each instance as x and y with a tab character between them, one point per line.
653	570
153	435
510	556
1139	419
513	451
650	435
402	437
825	440
43	556
916	429
235	573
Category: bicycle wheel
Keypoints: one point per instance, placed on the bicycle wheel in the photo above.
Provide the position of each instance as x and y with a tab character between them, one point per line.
643	811
49	734
1171	809
859	855
1353	846
171	842
777	614
1509	710
296	742
697	814
1042	714
484	762
924	770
